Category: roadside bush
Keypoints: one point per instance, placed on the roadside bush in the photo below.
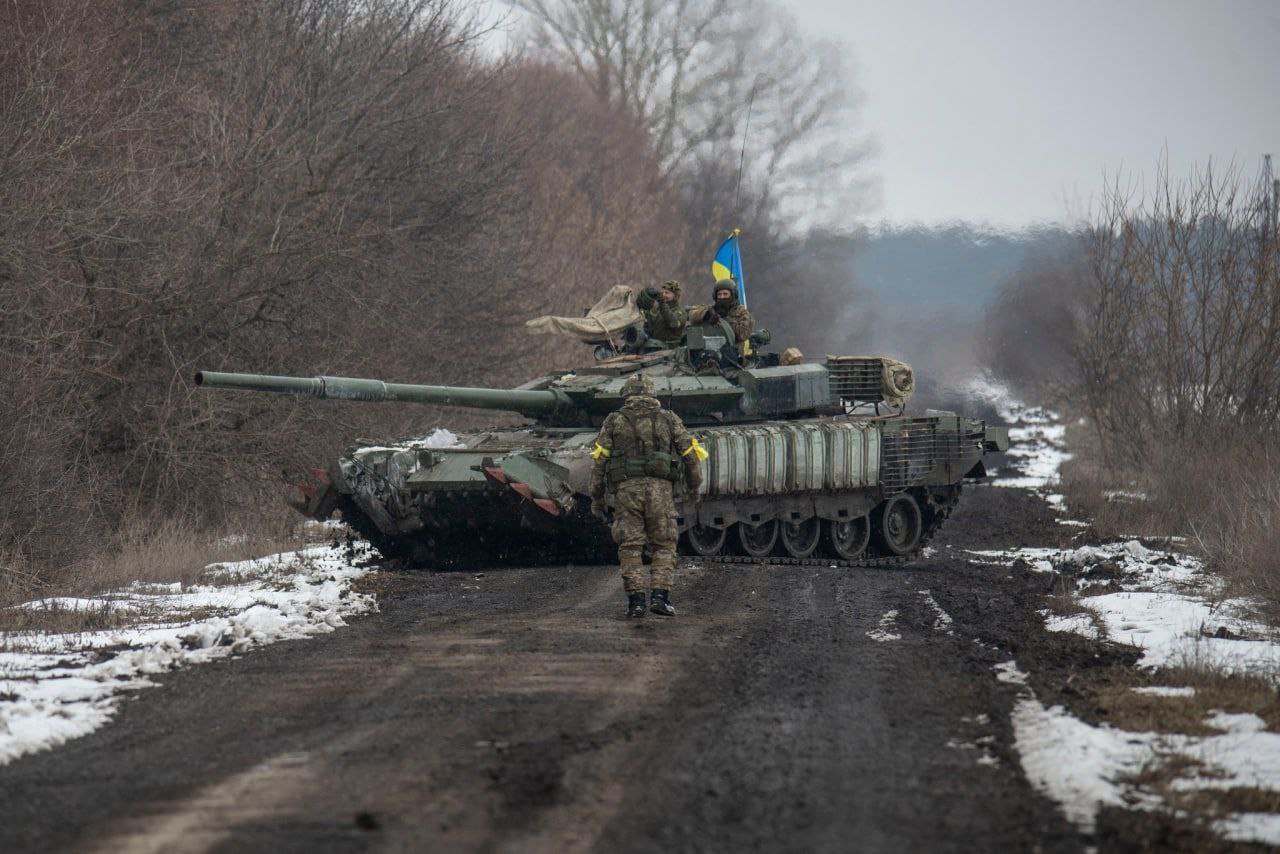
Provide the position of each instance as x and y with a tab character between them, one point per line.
1172	326
285	186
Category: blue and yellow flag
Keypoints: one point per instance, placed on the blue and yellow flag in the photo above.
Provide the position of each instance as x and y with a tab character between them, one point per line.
728	264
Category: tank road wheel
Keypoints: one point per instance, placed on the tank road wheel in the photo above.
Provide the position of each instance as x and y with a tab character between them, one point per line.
847	539
704	542
898	525
799	539
757	540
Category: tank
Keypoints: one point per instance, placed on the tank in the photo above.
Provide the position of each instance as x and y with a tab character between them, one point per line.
809	462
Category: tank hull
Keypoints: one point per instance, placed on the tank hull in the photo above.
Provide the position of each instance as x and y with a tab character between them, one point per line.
521	495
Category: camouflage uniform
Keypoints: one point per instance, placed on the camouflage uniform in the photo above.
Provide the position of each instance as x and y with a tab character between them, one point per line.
664	321
636	444
736	314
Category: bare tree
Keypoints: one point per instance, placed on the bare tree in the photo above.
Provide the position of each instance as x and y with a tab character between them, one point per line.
1179	333
286	186
692	70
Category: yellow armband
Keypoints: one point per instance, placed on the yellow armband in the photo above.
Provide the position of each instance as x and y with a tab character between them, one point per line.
600	451
695	448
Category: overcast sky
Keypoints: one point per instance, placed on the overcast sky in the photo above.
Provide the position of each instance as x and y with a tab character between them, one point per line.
1012	111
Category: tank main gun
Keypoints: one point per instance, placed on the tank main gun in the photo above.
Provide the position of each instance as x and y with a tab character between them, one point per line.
582	398
530	403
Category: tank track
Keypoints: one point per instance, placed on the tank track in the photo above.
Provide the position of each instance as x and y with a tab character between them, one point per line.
402	550
937	516
868	562
863	563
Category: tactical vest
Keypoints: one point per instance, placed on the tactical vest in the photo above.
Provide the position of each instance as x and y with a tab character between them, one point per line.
645	460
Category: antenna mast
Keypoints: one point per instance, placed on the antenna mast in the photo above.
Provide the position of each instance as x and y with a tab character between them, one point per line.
742	156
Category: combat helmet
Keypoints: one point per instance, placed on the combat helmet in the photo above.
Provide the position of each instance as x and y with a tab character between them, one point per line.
638	384
726	283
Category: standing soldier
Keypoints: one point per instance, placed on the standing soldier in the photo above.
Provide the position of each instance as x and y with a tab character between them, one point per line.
641	452
664	318
725	306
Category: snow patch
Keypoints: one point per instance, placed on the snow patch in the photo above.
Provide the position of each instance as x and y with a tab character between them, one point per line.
1037	446
56	687
885	632
1251	827
1081	624
1175	629
1008	672
1164	691
1073	763
942	620
442	438
1170	608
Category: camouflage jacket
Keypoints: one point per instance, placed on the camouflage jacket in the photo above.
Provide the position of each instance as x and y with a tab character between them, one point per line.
640	428
740	320
665	321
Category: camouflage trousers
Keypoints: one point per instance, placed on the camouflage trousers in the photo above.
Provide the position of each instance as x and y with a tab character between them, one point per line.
645	512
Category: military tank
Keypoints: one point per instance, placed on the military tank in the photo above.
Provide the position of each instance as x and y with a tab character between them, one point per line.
808	462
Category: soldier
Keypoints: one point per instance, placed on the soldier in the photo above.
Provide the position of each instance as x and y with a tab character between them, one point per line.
726	307
664	318
641	452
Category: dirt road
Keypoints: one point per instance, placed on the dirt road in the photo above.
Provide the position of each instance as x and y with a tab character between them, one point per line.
516	711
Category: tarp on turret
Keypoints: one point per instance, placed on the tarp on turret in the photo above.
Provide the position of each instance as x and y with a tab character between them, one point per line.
615	311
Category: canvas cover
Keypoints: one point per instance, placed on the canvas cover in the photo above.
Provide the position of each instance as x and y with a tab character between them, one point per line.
615	311
897	382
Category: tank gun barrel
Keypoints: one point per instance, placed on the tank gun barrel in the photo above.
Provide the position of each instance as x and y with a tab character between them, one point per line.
524	401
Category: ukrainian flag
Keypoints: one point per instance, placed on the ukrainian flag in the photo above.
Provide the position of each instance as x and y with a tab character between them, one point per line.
728	264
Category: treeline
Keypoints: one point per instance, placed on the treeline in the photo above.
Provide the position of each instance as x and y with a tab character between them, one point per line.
1161	329
299	187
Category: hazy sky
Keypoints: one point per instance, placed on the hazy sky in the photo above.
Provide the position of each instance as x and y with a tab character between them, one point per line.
1012	111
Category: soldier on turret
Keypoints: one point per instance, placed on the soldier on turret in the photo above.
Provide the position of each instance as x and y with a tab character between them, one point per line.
725	306
664	317
641	452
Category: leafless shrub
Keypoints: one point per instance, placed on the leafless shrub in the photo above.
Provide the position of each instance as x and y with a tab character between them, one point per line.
1172	323
1179	338
289	186
690	71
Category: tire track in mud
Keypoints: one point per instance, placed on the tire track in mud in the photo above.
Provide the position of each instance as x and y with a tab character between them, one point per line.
517	710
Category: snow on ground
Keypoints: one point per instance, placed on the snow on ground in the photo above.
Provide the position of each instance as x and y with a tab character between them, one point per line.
887	630
1075	764
1085	767
55	687
941	620
1081	624
1168	605
1037	444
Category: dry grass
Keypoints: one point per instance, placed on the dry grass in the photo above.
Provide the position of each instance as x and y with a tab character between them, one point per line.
1160	773
1219	803
1110	696
1224	499
161	551
56	619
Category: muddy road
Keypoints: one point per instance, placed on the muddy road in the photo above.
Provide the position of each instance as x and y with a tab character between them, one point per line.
784	709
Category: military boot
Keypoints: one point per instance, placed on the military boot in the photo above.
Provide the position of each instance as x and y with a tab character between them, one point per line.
660	603
635	605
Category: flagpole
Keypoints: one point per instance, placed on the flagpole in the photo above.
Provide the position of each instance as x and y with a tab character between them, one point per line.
737	256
